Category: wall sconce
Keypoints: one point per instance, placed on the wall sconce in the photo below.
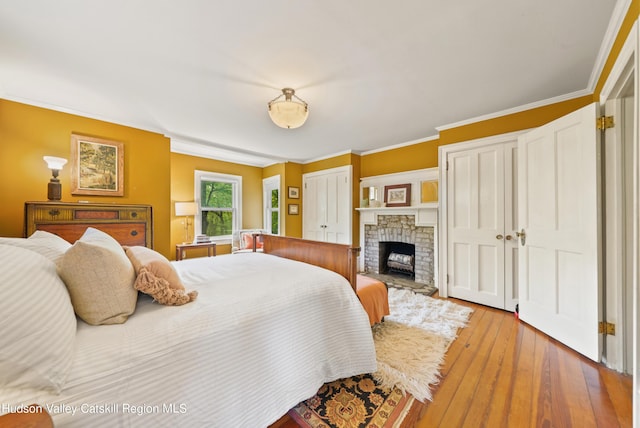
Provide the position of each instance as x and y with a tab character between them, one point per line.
288	113
54	190
186	210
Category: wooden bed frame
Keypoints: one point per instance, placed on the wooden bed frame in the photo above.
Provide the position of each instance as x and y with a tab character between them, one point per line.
339	258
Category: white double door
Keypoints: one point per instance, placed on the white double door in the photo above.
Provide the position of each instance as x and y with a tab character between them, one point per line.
327	205
559	212
556	256
482	251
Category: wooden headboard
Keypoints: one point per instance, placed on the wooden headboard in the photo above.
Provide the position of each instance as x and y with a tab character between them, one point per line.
128	224
339	258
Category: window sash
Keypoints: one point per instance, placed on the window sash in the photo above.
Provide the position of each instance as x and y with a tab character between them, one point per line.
236	210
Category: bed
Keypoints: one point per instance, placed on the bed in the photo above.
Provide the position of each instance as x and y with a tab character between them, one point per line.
264	333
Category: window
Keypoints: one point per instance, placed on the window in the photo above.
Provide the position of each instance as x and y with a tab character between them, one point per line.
219	199
271	201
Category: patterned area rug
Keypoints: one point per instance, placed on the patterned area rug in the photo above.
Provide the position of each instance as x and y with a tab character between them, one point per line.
356	402
410	348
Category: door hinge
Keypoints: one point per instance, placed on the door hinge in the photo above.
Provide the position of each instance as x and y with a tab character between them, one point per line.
447	278
607	328
604	122
447	165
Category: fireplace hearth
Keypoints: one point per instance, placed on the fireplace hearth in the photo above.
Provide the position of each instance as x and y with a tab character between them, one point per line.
398	234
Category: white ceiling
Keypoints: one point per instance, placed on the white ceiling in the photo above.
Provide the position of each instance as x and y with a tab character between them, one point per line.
375	73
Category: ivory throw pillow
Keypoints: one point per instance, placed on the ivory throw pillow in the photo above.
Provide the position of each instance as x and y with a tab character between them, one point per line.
99	277
155	263
49	245
39	326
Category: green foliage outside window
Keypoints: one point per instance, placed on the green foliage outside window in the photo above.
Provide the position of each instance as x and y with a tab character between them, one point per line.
274	214
216	203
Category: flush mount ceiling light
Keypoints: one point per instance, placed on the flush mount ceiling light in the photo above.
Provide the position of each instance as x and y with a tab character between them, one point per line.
288	113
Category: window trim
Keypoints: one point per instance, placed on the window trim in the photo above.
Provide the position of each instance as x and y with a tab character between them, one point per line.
269	184
236	181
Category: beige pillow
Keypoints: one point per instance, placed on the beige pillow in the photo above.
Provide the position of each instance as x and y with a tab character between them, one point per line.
155	263
99	277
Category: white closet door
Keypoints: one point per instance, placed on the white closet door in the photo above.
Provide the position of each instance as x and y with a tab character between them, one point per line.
327	205
314	208
511	246
558	167
475	222
338	208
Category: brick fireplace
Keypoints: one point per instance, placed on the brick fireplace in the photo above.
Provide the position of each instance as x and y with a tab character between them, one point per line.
400	228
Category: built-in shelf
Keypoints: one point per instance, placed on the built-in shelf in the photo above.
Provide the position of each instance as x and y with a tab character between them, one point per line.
425	214
430	205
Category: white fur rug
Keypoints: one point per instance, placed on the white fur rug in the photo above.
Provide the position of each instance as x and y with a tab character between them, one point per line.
411	343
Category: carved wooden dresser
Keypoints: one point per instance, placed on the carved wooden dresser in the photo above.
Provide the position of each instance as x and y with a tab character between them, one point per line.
128	224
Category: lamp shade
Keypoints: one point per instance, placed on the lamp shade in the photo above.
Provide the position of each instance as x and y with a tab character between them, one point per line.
54	162
186	208
288	112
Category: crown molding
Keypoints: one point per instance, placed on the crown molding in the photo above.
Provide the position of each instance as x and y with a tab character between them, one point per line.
518	109
397	146
613	29
207	150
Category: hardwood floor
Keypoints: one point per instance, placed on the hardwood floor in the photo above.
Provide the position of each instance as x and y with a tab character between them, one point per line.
501	372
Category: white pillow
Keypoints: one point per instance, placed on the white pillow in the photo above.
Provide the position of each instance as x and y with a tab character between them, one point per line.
38	330
99	277
49	245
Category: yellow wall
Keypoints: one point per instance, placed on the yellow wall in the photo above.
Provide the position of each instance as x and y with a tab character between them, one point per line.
293	178
408	158
513	122
183	169
334	162
356	162
28	133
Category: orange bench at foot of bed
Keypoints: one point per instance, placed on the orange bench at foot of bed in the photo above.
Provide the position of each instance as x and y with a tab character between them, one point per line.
374	298
31	416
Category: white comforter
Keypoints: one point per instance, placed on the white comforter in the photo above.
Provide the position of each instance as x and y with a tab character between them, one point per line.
264	334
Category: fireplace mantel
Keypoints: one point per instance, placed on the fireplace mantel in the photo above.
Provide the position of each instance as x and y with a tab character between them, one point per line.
425	214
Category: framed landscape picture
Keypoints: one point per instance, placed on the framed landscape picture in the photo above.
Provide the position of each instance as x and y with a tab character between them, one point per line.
397	195
96	166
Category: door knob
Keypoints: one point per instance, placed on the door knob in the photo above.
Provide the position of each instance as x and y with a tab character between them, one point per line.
523	236
508	237
499	236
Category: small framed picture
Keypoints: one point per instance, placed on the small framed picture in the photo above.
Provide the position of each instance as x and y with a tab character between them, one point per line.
294	193
294	209
398	195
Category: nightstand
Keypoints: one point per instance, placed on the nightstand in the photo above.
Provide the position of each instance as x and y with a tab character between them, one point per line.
182	248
